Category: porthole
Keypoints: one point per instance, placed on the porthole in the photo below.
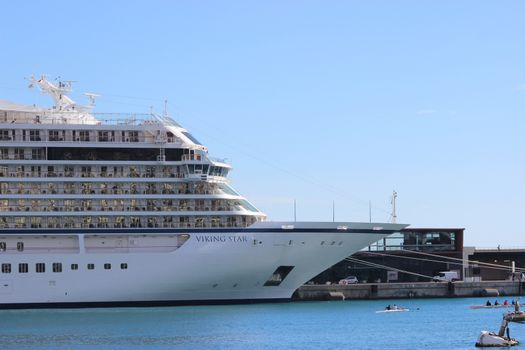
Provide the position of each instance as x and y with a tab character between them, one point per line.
57	267
6	268
40	267
23	268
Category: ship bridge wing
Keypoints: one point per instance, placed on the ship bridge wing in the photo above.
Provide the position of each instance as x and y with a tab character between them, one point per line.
179	132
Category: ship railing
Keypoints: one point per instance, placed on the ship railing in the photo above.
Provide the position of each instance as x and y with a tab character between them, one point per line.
219	160
410	247
93	175
193	157
127	119
48	117
498	248
79	117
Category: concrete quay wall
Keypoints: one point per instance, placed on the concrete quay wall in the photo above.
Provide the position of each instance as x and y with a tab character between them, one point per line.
409	290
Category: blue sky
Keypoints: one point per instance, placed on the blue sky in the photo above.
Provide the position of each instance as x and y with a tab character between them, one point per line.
317	101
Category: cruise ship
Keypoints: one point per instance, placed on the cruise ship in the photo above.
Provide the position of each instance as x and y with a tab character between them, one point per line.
130	210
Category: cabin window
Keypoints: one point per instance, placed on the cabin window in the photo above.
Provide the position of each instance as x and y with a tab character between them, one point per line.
4	153
40	267
34	135
23	268
91	266
20	246
36	153
19	153
69	171
84	135
103	136
74	266
133	136
6	268
54	135
57	267
124	266
4	135
107	266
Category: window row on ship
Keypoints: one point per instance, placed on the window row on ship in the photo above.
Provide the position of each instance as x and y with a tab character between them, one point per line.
132	171
55	267
71	135
91	243
135	221
125	205
94	153
114	188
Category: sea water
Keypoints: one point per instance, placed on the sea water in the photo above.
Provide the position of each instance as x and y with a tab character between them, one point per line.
350	324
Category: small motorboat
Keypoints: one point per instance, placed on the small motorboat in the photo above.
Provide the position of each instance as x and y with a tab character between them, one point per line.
490	306
491	339
516	316
393	309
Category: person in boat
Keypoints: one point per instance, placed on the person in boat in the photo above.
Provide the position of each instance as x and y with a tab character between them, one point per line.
488	303
388	307
506	302
394	307
496	303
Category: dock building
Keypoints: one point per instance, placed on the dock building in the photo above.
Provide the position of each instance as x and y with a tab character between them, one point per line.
422	252
418	254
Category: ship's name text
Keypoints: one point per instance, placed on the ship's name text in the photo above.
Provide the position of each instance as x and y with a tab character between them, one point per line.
221	239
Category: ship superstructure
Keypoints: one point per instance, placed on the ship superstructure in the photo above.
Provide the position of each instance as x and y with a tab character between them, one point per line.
111	209
68	168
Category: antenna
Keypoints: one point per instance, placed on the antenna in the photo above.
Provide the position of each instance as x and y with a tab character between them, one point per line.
393	216
165	108
369	211
91	97
333	210
294	210
58	93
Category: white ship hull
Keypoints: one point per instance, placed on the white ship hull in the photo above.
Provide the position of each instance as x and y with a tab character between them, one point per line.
130	209
211	267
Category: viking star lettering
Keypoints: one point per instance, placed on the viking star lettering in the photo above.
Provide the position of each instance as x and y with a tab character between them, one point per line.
222	239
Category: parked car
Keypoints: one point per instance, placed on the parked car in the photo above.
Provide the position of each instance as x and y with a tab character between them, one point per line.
349	280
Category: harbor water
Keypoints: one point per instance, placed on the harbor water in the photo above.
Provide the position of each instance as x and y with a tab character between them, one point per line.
430	324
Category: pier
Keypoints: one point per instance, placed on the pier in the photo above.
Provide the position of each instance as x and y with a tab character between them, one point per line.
457	289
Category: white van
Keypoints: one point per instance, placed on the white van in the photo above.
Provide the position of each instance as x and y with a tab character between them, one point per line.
446	276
